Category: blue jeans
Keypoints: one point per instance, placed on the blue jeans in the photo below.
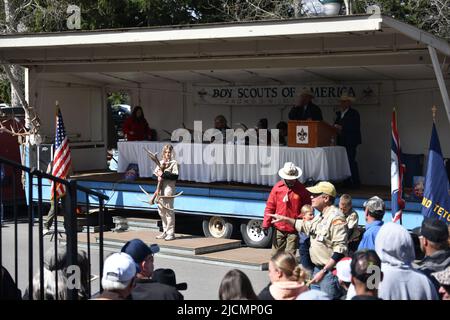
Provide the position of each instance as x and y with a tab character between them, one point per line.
303	249
329	284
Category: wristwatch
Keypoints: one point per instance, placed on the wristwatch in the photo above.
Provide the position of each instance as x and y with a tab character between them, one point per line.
324	270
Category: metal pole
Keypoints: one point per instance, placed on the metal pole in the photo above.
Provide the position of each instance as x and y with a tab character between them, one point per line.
440	80
70	220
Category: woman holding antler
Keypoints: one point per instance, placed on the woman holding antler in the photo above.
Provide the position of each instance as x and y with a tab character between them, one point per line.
167	174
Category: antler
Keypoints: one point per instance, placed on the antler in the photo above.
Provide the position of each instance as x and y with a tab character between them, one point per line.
22	132
157	199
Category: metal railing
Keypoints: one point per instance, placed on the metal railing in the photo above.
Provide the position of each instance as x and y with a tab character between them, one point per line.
70	203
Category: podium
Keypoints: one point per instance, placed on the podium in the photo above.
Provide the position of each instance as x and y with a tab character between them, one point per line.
311	134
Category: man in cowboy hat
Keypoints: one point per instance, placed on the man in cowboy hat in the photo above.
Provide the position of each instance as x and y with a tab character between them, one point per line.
305	108
328	233
349	134
147	288
286	198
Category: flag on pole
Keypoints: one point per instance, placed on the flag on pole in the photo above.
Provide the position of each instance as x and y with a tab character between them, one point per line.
61	160
436	196
397	169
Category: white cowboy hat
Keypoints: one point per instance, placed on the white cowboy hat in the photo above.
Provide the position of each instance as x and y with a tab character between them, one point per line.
290	171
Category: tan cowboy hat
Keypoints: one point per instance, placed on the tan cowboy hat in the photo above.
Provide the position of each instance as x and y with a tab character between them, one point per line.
345	97
290	171
307	91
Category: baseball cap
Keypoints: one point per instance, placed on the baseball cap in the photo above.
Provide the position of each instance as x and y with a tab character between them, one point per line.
313	294
443	277
375	204
343	270
323	187
434	230
138	250
119	267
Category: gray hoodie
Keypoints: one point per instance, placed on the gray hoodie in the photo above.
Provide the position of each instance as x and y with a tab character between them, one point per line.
395	248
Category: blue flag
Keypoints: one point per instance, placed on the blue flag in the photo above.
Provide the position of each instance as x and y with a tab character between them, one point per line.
436	197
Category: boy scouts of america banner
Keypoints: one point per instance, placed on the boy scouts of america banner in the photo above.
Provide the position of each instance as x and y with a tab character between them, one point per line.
436	197
325	94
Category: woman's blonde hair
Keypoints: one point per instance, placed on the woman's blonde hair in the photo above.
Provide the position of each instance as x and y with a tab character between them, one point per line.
287	263
170	148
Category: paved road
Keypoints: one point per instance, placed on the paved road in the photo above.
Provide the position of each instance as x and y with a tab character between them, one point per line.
203	279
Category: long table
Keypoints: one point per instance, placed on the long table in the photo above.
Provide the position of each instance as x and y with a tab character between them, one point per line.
238	163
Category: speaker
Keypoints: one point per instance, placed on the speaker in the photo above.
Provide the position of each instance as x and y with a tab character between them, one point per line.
44	155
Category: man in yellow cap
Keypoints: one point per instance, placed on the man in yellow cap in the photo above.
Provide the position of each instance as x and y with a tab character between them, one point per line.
328	233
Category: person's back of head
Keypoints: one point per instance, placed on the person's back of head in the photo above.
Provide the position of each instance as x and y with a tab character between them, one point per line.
434	236
375	208
119	271
394	245
287	268
54	285
8	289
366	272
236	285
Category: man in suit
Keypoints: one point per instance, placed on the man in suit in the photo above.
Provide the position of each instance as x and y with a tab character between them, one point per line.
305	108
349	134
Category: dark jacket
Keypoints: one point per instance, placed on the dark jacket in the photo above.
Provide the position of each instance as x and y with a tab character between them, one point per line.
9	289
312	111
350	135
265	294
148	289
438	261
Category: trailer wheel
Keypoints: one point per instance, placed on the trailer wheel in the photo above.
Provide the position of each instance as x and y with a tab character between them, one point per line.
217	227
253	235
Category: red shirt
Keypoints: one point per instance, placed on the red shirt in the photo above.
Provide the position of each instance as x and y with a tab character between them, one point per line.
297	197
136	130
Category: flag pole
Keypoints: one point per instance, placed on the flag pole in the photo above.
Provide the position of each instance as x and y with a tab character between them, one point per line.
434	110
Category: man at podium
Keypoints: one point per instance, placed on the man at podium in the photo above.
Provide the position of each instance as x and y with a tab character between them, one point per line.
349	134
305	108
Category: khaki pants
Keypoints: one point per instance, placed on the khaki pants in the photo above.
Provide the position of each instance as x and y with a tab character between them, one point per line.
283	241
167	216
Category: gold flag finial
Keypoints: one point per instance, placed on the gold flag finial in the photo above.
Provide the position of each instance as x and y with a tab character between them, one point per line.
433	110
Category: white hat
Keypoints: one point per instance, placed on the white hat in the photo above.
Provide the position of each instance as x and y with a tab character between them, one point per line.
343	270
119	267
313	294
290	171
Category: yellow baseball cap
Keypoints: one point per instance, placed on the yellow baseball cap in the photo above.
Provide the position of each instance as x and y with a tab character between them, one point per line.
323	187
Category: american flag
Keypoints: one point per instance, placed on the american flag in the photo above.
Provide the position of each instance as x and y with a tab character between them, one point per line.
397	169
61	159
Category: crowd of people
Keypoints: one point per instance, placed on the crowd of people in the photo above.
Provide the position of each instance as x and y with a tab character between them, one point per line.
336	259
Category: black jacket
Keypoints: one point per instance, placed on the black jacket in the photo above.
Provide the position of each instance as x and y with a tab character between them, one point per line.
350	135
265	294
148	289
312	111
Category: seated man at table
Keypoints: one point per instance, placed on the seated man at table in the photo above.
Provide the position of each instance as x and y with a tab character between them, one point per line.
220	123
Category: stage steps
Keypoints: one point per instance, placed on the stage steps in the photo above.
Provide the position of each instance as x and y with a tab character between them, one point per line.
129	223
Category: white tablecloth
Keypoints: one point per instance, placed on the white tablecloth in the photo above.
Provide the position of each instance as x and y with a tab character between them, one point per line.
238	163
